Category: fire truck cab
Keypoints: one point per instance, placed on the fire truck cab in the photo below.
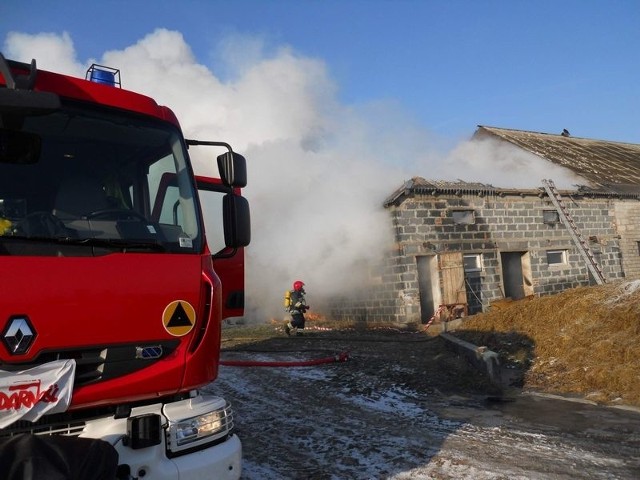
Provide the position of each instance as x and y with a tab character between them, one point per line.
111	293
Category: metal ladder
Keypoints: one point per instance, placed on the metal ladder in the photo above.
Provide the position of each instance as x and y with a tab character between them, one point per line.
578	239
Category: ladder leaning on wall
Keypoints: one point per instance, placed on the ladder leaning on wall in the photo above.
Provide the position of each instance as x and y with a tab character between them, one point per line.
581	243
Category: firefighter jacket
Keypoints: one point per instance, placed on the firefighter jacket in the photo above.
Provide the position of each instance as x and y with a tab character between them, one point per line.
298	302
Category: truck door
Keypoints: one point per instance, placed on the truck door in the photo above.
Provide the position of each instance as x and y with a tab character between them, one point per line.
228	263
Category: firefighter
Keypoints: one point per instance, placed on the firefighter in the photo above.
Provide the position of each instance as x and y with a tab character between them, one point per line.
296	305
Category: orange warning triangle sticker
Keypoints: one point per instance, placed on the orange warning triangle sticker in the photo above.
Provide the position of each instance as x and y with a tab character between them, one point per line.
179	318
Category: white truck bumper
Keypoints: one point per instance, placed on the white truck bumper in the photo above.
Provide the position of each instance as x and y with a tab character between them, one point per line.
221	460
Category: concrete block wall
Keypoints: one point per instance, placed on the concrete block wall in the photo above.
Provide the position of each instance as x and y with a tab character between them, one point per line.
627	216
423	225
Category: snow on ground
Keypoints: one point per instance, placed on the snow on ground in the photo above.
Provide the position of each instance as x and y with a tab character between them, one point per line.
344	421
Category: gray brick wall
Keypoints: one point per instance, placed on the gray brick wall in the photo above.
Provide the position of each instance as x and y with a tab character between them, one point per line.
423	226
627	215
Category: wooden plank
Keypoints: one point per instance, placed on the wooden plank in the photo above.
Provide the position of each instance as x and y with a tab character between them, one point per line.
452	276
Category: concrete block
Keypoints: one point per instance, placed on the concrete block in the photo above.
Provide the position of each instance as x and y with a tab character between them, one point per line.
479	356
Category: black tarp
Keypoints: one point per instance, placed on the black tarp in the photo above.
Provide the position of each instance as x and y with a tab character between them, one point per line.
34	457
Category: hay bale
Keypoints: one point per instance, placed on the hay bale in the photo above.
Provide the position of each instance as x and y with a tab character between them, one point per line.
579	341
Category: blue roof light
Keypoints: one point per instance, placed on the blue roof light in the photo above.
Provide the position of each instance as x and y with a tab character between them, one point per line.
105	75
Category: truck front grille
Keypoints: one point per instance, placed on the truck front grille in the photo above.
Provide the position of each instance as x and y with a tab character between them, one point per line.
68	423
43	427
104	363
73	423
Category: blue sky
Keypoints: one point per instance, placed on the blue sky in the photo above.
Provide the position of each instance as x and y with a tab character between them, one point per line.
335	104
449	65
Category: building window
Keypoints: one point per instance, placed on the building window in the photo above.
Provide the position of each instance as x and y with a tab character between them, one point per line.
463	217
550	217
557	257
472	262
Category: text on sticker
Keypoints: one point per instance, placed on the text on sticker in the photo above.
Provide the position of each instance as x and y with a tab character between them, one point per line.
27	395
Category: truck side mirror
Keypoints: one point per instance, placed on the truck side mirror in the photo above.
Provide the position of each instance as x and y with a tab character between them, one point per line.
237	222
233	169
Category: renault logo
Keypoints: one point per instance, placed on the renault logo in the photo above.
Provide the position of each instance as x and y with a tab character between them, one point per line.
18	335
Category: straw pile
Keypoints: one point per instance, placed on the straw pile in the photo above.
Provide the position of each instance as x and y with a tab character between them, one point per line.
584	341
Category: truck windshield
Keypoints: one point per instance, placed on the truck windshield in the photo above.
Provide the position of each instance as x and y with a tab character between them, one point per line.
82	177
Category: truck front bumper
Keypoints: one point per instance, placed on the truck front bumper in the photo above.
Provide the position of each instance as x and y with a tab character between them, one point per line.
221	459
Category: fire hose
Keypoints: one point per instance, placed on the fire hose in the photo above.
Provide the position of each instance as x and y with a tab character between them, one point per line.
341	357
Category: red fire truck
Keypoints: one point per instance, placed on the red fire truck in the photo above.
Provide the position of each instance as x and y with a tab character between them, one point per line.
112	291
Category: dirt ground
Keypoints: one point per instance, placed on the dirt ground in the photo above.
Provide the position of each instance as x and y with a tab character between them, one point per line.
403	406
583	343
414	350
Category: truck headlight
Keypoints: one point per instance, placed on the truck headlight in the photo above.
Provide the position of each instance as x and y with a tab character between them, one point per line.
197	423
192	429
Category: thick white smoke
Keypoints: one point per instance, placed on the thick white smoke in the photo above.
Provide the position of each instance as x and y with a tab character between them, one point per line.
504	165
318	170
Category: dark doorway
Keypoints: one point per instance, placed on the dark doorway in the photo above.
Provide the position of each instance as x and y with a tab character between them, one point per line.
516	274
428	283
473	281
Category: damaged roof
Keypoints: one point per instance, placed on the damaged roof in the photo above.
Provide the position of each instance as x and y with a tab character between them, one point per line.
420	186
613	166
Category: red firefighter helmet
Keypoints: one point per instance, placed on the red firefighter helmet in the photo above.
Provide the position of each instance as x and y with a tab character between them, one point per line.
297	285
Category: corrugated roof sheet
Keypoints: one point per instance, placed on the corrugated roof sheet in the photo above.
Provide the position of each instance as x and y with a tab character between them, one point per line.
612	165
420	186
419	182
